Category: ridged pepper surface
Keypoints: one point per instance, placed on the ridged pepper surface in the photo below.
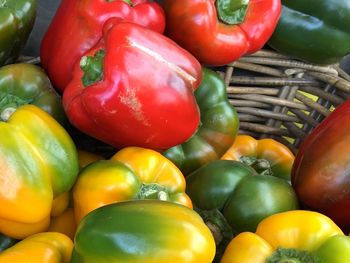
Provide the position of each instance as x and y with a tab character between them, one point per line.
78	25
293	236
135	88
39	164
219	32
132	173
217	130
264	154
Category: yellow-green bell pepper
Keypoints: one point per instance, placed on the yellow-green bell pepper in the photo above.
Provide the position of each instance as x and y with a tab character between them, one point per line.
132	173
38	163
143	231
47	247
293	236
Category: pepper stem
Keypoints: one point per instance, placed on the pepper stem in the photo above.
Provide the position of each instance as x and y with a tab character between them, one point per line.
92	66
220	229
262	166
8	105
290	255
153	191
129	2
232	12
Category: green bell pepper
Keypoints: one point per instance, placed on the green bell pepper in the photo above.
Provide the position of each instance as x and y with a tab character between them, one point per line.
336	249
143	231
17	19
22	84
236	191
316	31
217	130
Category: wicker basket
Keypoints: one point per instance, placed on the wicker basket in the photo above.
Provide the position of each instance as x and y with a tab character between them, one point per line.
281	98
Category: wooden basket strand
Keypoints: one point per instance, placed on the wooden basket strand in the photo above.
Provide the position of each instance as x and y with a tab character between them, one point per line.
282	98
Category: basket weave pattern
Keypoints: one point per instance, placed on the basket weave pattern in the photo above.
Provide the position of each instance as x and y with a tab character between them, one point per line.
281	98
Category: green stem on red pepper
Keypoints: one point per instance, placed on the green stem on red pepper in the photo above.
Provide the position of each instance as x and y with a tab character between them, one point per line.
92	68
232	12
129	2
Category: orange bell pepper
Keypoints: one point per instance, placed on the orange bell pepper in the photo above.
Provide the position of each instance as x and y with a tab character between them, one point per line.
255	152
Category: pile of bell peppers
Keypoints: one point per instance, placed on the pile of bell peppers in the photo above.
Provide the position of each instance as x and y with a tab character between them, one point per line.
182	185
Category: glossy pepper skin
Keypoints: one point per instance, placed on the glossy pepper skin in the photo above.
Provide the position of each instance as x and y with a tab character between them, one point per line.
22	84
320	174
46	247
77	27
293	236
218	126
243	196
132	173
143	231
254	152
17	19
142	93
39	163
219	32
315	31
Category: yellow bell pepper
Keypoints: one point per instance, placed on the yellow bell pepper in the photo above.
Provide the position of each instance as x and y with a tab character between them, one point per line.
38	163
132	173
294	235
47	247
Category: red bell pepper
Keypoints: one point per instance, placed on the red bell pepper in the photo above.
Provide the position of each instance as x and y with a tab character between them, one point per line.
321	170
219	32
77	27
135	88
